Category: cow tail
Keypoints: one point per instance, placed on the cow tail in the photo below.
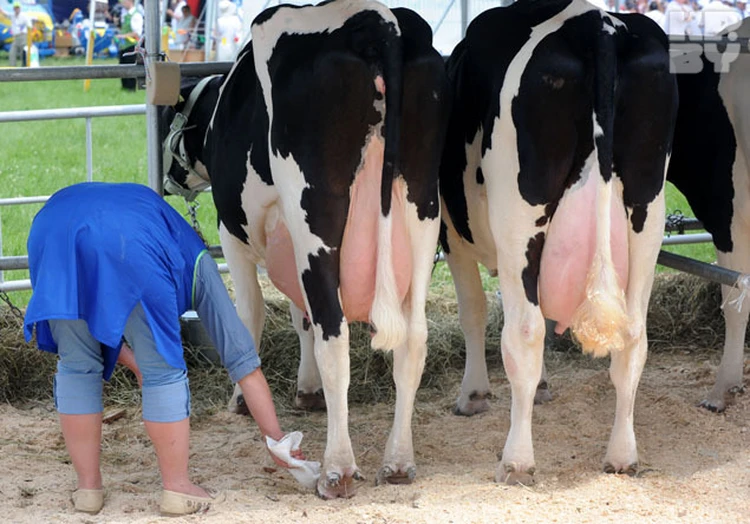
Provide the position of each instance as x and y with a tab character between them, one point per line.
600	323
387	317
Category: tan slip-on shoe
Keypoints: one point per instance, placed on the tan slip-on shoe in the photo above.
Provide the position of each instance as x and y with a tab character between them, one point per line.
174	504
88	500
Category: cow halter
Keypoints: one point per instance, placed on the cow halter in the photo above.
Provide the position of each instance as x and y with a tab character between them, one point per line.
174	148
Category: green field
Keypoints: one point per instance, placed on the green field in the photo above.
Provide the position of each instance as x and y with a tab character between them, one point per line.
38	158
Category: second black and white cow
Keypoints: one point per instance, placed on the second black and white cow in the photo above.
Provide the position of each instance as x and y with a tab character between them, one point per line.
710	167
323	154
553	176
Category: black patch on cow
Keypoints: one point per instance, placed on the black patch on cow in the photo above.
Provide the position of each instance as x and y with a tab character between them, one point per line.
313	77
645	120
443	238
549	211
638	217
305	324
425	110
530	274
552	150
480	176
321	283
476	70
704	152
240	126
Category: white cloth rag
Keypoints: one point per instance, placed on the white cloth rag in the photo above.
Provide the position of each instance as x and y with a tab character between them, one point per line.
306	472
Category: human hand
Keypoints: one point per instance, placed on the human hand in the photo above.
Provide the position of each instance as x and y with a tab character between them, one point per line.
295	453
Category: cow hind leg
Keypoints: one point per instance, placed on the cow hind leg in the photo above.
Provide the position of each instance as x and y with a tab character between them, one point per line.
472	315
309	386
729	377
627	364
409	358
522	346
642	172
249	298
319	279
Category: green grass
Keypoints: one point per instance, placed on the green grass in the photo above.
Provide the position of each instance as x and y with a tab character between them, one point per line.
38	158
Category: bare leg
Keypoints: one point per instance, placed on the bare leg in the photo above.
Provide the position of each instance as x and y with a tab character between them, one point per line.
172	445
83	435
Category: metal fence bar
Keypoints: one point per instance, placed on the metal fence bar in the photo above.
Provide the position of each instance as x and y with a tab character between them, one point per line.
14	263
25	284
22	262
98	72
23	200
710	272
698	238
71	112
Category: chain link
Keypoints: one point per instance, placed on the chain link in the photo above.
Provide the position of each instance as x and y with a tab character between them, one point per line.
193	213
675	221
13	308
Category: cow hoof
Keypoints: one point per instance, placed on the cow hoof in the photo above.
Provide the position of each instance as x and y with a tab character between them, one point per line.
477	403
630	470
715	406
388	475
239	407
542	395
512	476
310	401
335	486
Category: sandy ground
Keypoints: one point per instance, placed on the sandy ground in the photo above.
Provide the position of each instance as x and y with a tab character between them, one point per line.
695	465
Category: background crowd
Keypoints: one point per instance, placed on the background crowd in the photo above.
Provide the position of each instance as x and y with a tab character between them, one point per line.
685	17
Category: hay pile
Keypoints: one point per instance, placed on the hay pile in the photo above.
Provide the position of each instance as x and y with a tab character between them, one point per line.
684	315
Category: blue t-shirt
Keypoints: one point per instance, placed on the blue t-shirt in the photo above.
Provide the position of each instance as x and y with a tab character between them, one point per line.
96	250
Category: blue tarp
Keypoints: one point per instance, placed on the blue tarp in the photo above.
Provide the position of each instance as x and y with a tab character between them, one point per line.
61	9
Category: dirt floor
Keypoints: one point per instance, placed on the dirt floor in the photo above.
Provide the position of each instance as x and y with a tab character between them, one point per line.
695	465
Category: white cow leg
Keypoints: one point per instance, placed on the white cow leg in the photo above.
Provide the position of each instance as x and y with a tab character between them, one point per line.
625	371
249	298
309	386
472	314
627	365
339	467
408	365
522	343
409	359
730	375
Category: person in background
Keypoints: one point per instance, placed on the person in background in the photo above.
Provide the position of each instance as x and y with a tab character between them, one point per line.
19	24
742	8
656	12
717	16
131	30
185	27
112	261
679	18
228	32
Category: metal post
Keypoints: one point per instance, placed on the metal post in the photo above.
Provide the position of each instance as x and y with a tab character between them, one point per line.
210	24
153	41
89	152
443	16
464	17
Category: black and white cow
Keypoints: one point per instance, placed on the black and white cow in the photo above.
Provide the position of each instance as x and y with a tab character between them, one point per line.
323	154
709	166
553	176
